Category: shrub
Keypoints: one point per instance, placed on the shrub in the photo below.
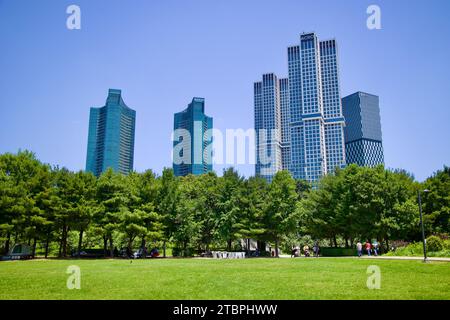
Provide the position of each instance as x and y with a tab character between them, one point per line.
337	252
179	252
435	244
413	249
447	245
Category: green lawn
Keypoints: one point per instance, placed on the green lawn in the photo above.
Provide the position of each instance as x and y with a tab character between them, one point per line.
300	278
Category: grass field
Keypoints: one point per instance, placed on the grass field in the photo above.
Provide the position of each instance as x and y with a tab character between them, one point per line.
323	278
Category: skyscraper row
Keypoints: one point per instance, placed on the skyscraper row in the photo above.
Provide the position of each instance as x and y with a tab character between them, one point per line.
112	132
304	116
299	123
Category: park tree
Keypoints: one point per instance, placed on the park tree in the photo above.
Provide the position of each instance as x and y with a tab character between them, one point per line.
252	205
186	224
229	206
65	191
280	215
399	218
22	179
166	206
317	213
113	197
142	219
85	204
207	197
436	203
10	196
51	204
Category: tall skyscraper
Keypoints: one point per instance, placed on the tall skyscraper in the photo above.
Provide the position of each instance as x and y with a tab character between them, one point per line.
306	108
268	101
316	119
111	136
192	145
363	141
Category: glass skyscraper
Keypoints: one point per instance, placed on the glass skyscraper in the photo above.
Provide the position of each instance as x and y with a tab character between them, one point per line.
270	97
111	136
363	141
309	102
317	122
192	152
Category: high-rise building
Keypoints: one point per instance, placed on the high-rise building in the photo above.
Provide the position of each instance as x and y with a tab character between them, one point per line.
304	111
269	98
285	124
111	136
192	145
316	119
363	141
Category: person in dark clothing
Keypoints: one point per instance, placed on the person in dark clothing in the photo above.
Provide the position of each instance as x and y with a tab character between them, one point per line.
316	249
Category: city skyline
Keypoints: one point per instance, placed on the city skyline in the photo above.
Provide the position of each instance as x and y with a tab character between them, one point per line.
87	62
303	113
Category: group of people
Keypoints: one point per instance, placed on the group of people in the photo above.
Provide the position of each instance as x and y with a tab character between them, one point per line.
297	253
370	248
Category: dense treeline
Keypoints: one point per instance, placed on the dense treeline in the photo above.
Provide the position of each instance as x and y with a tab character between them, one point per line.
60	211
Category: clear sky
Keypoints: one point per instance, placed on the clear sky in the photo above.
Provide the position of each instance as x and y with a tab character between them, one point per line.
161	53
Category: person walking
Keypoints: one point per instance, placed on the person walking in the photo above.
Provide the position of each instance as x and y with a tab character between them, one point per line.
293	252
359	249
306	250
375	248
316	249
368	247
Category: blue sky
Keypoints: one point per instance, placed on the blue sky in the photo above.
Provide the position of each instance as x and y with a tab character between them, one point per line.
161	53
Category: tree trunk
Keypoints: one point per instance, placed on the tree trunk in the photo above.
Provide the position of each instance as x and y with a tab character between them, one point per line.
60	247
164	248
335	241
143	244
63	243
248	247
387	244
8	240
261	246
47	241
346	242
229	245
111	248
66	231
80	242
105	246
33	251
276	249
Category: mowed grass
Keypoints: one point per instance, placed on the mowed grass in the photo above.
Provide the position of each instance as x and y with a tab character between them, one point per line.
300	278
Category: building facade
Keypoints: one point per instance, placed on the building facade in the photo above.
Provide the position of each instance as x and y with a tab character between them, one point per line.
310	119
270	96
363	138
111	136
317	122
192	145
